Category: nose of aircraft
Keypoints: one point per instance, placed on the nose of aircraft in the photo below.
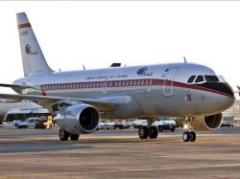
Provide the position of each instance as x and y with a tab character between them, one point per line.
224	89
221	87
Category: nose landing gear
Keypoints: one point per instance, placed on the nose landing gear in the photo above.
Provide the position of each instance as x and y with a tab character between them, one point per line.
189	135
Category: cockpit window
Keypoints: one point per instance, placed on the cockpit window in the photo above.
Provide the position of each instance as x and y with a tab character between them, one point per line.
190	80
211	78
199	79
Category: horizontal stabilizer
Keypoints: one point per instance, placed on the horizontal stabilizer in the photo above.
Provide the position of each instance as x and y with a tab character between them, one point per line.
17	88
14	86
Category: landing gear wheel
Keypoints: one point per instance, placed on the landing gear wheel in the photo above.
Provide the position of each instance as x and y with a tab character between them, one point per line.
143	132
192	136
189	136
160	128
74	137
186	136
63	135
153	132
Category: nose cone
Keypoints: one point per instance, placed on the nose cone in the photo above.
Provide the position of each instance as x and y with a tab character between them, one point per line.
222	96
221	88
225	90
224	102
228	102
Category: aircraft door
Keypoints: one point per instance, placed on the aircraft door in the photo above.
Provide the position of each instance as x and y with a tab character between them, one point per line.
168	77
105	85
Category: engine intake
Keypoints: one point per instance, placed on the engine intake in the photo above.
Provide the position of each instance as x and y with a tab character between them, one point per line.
89	119
213	121
80	118
207	123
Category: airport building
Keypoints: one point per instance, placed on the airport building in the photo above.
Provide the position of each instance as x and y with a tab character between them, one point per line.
233	114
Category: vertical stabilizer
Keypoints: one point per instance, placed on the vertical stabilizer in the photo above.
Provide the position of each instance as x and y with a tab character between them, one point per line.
33	59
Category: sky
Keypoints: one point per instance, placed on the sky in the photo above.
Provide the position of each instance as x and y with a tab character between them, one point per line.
97	33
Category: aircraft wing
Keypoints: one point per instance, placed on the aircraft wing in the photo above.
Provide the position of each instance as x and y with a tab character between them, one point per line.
102	105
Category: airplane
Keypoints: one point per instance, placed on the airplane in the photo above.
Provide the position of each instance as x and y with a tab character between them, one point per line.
79	98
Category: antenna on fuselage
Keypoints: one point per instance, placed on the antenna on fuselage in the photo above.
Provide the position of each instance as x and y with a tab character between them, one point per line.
185	60
115	65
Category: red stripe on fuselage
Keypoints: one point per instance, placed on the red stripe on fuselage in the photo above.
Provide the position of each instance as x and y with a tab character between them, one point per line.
127	83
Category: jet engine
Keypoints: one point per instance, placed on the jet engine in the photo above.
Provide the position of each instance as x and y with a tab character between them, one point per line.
78	119
207	123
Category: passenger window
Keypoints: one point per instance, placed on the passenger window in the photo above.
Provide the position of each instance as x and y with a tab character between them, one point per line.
190	80
199	79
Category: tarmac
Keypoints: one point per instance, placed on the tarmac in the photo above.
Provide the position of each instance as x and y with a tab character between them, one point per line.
30	153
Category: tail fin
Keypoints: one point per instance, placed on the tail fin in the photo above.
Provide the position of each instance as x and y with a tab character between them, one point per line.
33	59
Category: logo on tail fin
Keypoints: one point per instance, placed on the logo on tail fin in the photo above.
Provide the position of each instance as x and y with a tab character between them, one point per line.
29	51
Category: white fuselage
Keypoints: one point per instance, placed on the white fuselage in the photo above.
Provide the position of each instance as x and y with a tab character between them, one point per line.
146	91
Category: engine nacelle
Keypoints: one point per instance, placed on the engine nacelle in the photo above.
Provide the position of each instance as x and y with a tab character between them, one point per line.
80	118
207	123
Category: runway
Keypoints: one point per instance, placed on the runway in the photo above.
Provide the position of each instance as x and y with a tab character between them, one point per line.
119	154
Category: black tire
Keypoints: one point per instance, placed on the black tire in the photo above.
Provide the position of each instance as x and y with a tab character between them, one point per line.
143	132
160	128
186	136
74	137
193	136
63	135
153	132
22	127
173	129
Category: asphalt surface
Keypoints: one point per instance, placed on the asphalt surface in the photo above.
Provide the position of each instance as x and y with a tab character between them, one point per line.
119	154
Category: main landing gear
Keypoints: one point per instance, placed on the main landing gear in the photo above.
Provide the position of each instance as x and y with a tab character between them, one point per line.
148	131
189	135
64	135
